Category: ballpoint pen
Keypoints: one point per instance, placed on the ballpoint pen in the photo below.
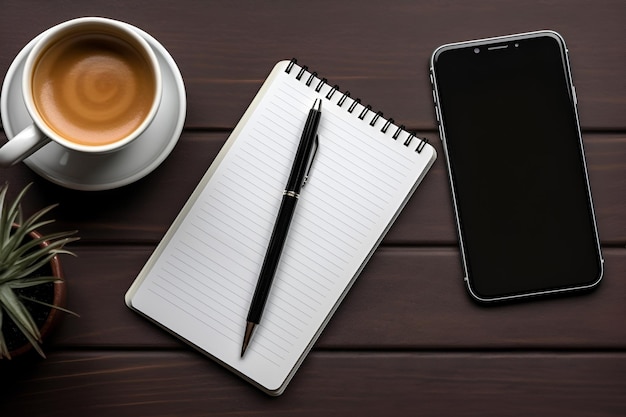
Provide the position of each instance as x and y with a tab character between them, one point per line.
298	176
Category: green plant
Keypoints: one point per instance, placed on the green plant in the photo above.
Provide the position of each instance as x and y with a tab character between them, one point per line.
21	259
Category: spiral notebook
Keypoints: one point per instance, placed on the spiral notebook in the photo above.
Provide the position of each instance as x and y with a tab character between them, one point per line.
199	282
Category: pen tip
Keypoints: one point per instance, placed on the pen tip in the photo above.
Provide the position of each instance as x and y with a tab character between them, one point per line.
246	337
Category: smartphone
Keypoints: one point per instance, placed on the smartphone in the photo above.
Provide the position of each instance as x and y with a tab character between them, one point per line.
506	109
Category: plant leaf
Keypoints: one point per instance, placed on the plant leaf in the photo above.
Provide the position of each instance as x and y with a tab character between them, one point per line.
4	350
35	257
14	212
34	243
20	257
20	271
3	214
18	313
32	340
65	310
33	261
31	282
26	227
16	203
21	317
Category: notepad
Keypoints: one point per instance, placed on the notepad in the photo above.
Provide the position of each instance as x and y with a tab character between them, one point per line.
199	281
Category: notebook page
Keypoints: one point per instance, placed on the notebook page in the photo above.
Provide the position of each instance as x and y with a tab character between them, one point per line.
202	282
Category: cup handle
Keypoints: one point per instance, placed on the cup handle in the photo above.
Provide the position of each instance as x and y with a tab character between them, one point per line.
22	146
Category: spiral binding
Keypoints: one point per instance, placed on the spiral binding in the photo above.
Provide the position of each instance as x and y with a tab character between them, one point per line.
355	102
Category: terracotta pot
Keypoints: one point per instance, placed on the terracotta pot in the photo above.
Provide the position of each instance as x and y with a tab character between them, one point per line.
59	299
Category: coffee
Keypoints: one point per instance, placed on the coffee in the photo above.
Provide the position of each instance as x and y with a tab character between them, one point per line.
93	89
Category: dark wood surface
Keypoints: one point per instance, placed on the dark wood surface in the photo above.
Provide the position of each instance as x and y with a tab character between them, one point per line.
407	340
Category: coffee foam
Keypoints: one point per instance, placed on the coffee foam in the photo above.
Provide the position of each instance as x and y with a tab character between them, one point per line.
93	89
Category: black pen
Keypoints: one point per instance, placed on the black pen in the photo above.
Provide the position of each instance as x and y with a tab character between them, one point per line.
297	178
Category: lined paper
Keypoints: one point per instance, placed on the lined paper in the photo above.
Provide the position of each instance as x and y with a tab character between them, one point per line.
200	280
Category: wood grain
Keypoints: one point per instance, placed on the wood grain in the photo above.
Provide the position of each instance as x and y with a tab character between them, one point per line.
103	383
406	298
380	53
407	340
142	212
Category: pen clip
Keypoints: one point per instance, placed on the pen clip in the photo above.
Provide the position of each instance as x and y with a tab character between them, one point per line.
311	158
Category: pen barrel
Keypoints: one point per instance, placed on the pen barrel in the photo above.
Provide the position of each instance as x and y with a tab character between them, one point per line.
272	257
306	145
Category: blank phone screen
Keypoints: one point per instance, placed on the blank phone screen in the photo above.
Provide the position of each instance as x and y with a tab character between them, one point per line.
517	167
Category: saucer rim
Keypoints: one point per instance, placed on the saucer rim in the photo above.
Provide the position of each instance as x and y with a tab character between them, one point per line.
74	183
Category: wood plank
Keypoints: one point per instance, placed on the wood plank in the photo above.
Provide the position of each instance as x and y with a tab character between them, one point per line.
142	212
103	383
382	56
406	298
407	340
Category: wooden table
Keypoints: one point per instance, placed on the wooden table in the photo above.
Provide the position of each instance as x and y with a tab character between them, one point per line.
407	340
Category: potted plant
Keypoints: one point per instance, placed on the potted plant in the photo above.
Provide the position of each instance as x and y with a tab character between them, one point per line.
32	290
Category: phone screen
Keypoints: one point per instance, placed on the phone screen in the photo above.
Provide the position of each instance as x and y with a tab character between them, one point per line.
516	165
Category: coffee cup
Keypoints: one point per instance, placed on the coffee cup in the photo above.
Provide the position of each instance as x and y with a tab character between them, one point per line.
91	85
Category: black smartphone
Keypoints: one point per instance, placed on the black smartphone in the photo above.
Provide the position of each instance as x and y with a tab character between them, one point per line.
507	115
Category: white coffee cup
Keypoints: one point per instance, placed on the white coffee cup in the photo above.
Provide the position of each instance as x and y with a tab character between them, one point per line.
91	85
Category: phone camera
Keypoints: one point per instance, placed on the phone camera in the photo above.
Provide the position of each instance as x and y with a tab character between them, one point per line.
476	50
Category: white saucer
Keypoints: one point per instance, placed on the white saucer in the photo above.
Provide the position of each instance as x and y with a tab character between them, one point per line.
105	171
